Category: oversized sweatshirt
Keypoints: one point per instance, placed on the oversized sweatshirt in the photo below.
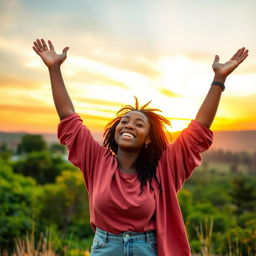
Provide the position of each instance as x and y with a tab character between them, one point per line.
114	201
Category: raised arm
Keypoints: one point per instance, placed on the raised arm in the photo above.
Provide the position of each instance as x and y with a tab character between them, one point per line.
209	107
53	61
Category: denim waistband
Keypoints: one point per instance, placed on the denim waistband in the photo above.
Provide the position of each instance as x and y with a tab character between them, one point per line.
107	236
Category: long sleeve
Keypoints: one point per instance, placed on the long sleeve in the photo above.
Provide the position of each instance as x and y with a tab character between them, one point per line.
83	150
183	156
175	166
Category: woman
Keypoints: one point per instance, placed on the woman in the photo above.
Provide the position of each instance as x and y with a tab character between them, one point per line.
133	179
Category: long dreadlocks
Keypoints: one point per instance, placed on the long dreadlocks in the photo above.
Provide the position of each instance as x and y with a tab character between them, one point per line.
148	158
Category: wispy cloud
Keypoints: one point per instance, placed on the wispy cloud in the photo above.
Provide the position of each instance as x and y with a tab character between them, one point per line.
156	50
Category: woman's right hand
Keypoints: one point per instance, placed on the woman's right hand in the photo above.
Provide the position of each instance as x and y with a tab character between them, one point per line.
48	54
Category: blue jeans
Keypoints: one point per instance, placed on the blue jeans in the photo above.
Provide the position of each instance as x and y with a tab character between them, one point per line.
124	244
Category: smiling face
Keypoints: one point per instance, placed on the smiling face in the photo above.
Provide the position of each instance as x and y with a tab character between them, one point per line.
132	132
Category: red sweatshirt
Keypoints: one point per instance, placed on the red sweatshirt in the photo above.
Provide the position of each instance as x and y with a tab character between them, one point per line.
115	204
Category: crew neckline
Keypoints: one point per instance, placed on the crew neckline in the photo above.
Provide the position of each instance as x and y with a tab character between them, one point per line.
124	173
127	174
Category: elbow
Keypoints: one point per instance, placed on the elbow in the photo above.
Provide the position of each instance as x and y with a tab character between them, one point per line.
206	123
65	114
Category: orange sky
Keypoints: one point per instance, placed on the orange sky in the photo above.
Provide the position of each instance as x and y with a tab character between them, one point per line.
158	52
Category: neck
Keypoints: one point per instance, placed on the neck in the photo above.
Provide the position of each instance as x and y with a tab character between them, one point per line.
127	161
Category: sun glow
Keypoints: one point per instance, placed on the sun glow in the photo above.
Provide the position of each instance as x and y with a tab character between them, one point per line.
99	89
178	125
184	76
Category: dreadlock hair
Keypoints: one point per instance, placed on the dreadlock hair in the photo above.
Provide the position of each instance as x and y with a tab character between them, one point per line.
148	158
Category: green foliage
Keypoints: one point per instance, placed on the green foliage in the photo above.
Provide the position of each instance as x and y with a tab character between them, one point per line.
57	148
68	202
16	205
204	234
63	206
243	195
213	195
5	152
239	241
80	228
205	211
185	201
61	203
43	166
247	220
31	142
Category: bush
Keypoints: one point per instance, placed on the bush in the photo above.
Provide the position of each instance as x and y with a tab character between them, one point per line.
239	241
43	166
17	205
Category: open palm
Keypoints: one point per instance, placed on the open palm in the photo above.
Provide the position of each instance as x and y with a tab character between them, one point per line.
48	54
224	69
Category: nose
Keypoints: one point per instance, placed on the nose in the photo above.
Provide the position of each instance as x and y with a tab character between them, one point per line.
129	126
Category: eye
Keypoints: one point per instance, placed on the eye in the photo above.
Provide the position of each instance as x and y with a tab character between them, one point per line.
140	125
123	122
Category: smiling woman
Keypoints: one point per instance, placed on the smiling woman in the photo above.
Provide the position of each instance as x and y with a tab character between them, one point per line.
133	179
141	132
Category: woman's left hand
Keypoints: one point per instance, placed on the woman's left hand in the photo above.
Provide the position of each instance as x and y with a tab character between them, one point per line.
223	70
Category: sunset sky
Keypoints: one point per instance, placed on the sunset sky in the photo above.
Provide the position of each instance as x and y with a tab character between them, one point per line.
155	50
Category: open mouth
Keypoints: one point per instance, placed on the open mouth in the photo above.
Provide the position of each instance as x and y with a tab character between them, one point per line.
127	135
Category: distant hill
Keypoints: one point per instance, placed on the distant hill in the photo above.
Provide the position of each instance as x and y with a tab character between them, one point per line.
234	141
12	139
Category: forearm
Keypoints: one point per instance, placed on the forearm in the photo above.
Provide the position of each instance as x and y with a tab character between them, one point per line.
210	105
61	98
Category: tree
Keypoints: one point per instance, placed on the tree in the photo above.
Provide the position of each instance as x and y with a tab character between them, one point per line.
42	166
5	152
65	202
57	148
31	142
17	198
242	195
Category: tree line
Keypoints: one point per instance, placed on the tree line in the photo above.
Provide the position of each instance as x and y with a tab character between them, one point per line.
41	191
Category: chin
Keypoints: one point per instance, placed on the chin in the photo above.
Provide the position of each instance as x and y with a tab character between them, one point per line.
129	148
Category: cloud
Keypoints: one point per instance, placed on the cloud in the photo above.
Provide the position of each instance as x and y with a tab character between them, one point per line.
115	51
36	118
13	82
168	92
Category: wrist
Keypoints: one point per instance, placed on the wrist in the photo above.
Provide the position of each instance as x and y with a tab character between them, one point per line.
219	84
55	67
219	78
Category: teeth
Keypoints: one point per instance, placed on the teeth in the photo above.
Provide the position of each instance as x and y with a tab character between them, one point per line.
127	135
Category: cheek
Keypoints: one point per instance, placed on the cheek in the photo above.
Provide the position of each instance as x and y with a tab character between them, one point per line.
117	131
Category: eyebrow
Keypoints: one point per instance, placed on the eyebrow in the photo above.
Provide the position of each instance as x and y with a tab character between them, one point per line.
137	119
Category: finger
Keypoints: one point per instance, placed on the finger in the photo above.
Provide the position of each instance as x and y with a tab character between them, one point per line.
44	45
35	49
216	59
65	50
238	54
39	44
36	45
50	45
243	56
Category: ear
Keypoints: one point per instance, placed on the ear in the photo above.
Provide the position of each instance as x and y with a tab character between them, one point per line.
147	140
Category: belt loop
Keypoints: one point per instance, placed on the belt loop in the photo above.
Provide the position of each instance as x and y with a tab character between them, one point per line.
107	237
146	237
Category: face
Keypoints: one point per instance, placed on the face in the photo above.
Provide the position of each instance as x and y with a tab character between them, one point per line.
132	132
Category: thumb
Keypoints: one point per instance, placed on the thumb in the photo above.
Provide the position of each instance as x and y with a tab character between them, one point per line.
216	59
65	50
